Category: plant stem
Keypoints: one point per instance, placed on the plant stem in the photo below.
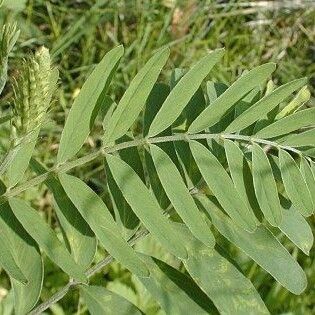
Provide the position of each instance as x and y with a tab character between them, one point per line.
89	273
62	168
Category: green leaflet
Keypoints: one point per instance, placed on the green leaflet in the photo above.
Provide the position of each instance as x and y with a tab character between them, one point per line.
288	124
222	187
101	301
241	174
79	236
27	257
213	113
96	214
176	292
303	139
145	206
41	232
155	100
78	29
135	97
214	90
295	184
262	246
230	291
180	197
265	186
124	216
21	158
295	227
309	177
7	261
86	105
183	92
193	108
265	105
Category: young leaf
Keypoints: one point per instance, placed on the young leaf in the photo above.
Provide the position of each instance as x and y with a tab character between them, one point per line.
295	184
222	187
77	233
265	186
46	238
262	247
180	197
293	122
303	139
265	105
135	97
82	112
175	291
295	227
101	301
225	285
97	215
145	206
28	259
213	113
183	92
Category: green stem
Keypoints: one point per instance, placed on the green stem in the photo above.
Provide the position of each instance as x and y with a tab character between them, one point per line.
65	167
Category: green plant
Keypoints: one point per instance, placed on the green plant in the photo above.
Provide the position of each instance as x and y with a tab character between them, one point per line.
205	164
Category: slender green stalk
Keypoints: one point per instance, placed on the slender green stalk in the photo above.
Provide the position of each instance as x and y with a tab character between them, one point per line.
65	167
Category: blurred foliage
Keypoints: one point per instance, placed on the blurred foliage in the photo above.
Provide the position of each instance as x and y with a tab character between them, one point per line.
79	32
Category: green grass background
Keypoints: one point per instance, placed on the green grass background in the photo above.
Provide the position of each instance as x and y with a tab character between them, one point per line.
79	32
